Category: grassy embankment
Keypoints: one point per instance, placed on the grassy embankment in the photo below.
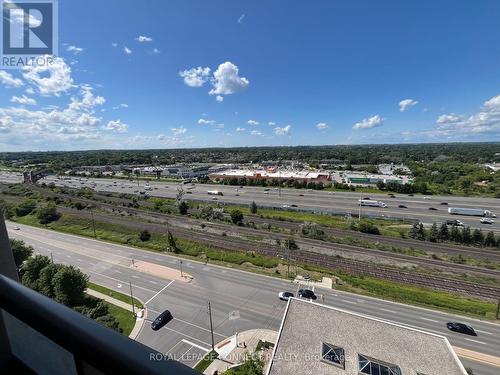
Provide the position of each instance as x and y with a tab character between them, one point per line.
272	266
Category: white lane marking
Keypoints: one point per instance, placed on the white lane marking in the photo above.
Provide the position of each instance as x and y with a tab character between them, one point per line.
161	290
477	341
195	345
183	334
347	301
135	277
486	333
117	271
387	310
199	327
429	320
153	282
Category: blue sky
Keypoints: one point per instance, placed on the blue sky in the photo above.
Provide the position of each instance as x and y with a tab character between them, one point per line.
164	74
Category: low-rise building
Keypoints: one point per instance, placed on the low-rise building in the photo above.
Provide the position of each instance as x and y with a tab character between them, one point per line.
271	174
372	179
322	340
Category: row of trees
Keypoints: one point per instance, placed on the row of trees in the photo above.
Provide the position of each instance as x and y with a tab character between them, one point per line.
455	234
64	284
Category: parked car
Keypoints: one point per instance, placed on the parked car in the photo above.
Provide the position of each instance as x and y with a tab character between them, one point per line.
284	296
444	203
402	206
461	328
161	320
306	293
433	208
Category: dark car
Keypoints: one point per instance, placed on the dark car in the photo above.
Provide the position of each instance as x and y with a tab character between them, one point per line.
161	320
433	209
402	206
306	293
410	195
461	328
301	195
284	296
444	203
366	198
293	205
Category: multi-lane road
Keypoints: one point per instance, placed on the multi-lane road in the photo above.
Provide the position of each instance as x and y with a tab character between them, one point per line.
240	300
427	209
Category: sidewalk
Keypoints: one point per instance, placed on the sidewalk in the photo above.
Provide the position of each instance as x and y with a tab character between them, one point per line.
234	349
141	313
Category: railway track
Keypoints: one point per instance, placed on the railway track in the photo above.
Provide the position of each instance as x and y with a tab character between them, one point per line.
351	266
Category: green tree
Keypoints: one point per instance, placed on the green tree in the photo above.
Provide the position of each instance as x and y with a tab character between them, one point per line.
237	217
433	233
290	244
367	227
172	245
455	235
25	207
490	239
478	237
69	285
110	322
443	234
48	214
312	230
145	235
421	232
413	231
183	207
45	280
466	236
21	251
31	271
253	208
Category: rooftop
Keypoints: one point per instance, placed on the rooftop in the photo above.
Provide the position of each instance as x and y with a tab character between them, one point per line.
318	339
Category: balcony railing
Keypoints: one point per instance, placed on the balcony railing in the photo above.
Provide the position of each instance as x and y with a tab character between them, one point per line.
39	335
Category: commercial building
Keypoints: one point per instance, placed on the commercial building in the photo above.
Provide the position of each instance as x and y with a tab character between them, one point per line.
320	340
372	179
271	174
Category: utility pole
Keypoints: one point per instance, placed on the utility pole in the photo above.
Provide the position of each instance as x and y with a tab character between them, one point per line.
498	310
52	260
131	298
279	187
360	199
211	326
180	266
288	258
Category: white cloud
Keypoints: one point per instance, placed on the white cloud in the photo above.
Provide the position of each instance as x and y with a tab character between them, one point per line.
486	121
127	50
156	50
240	129
226	80
252	122
202	121
407	104
179	131
450	118
74	49
195	77
369	123
51	79
87	100
219	98
30	90
256	132
283	131
117	126
241	18
8	80
143	39
322	125
114	44
23	99
271	123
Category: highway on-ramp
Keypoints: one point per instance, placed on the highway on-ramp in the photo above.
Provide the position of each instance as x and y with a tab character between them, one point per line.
240	300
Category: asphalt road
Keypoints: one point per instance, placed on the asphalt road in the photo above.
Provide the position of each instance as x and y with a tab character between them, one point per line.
316	201
240	300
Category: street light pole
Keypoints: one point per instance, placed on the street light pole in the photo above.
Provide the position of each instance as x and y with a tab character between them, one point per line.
360	199
180	266
132	298
211	326
93	221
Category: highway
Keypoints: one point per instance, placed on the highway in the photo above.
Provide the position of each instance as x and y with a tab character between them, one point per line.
426	209
240	300
418	207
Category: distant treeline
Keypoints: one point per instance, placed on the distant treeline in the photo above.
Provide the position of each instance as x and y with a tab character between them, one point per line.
355	154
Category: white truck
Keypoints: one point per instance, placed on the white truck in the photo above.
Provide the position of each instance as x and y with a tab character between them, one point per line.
214	192
371	203
470	212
